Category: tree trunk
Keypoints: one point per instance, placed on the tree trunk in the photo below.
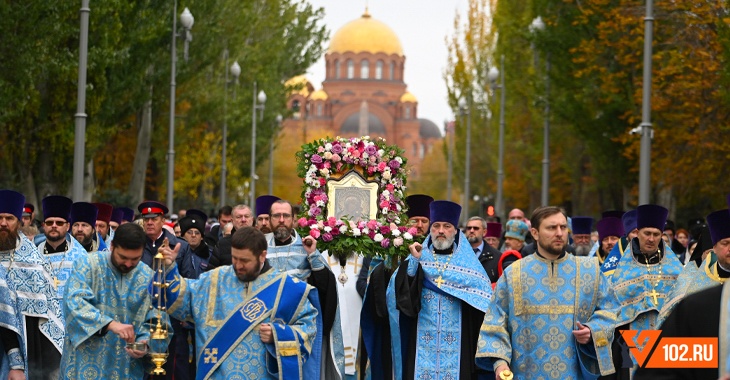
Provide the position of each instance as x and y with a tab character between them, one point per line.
142	155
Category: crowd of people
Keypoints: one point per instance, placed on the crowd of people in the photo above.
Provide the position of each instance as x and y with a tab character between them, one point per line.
249	297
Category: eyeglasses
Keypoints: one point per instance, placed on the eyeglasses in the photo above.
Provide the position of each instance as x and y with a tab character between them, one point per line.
50	223
472	228
192	232
279	216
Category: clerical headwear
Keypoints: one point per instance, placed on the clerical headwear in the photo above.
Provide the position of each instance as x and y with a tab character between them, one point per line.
651	216
445	211
494	229
127	214
57	206
152	209
612	214
719	224
418	205
84	212
12	202
629	221
198	214
117	215
516	229
669	225
263	204
28	209
609	226
582	225
105	212
192	221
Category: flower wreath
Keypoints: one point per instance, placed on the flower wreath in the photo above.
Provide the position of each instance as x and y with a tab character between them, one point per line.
373	159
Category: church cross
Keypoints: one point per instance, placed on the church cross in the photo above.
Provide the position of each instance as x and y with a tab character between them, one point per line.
654	294
439	281
211	356
56	282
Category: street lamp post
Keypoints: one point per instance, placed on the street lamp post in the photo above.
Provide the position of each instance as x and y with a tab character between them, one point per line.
261	98
465	108
493	74
80	128
187	20
279	118
538	25
235	70
646	127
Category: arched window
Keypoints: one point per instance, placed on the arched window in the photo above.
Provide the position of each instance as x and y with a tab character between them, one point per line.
407	112
364	69
337	69
295	106
379	70
392	70
415	149
350	69
421	151
319	109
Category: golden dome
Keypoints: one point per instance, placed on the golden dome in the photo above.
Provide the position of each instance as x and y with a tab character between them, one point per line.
365	35
318	95
298	85
408	97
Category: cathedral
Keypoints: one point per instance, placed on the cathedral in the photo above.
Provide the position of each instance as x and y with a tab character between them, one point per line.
363	94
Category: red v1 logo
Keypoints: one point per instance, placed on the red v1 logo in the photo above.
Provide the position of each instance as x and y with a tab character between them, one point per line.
649	336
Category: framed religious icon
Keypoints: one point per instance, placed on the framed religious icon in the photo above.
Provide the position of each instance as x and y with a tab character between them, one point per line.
352	197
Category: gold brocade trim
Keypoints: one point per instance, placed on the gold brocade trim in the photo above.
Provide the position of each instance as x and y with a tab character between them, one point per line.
289	348
548	309
711	272
212	298
490	328
516	282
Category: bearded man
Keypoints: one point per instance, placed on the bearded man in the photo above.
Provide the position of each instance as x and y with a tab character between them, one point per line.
582	235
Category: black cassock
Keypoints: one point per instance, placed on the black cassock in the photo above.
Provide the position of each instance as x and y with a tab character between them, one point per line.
698	315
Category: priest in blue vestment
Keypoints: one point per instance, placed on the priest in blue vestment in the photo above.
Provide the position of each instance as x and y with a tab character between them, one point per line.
59	248
628	219
642	280
552	315
287	253
13	364
107	306
436	303
251	321
29	276
713	271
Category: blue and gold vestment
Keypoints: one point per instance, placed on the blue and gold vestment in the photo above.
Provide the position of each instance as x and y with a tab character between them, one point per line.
536	305
62	262
97	294
451	287
219	304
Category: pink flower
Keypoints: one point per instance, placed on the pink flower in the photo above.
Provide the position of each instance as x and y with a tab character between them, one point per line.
384	230
331	221
314	233
336	149
339	166
327	236
372	159
372	224
381	166
302	222
385	243
390	187
384	204
336	157
413	231
312	222
398	241
322	181
320	149
355	153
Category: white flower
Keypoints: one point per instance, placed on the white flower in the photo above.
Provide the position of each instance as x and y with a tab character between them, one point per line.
398	241
365	230
386	174
312	168
320	203
324	172
343	229
407	236
364	155
385	193
397	207
314	227
356	232
328	146
378	238
327	229
327	155
395	232
348	145
400	160
385	210
381	152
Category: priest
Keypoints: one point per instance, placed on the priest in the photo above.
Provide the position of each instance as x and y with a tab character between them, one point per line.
251	321
436	303
544	322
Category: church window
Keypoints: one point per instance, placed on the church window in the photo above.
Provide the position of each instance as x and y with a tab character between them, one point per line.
337	69
319	109
295	106
415	149
364	69
392	70
421	151
407	113
379	70
350	69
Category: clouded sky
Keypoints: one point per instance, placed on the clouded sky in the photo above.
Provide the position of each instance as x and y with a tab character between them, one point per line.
422	26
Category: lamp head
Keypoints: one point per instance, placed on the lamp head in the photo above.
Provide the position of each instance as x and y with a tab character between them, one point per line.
537	24
279	118
262	97
235	69
186	19
462	103
493	74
